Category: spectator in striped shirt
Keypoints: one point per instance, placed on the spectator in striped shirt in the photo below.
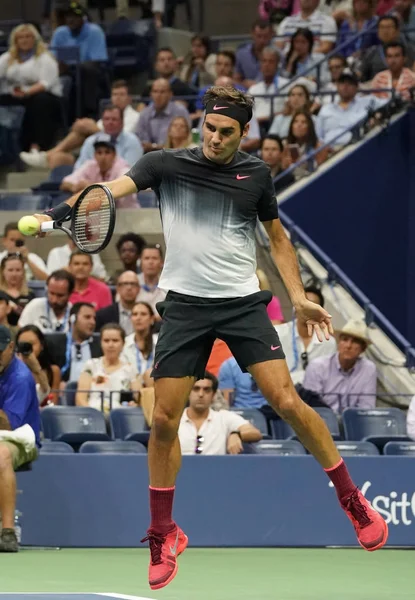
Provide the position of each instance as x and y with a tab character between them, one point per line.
397	76
323	27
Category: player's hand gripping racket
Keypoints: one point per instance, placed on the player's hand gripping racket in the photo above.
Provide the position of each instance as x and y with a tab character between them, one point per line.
92	220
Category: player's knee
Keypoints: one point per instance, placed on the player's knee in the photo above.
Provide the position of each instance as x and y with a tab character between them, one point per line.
165	422
5	458
286	403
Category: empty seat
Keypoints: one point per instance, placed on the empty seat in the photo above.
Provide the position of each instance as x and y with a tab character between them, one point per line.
29	202
357	449
38	287
378	425
68	396
117	447
281	430
281	447
129	424
255	417
73	424
49	447
399	449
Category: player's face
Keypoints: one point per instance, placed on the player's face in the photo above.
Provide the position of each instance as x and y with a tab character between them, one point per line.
201	396
13	273
221	138
58	294
151	261
120	97
81	267
85	321
271	153
141	318
105	158
350	348
111	343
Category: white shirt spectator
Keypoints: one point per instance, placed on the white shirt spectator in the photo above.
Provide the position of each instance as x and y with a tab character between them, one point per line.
34	258
38	312
293	347
265	109
410	419
106	393
58	258
130	120
317	22
214	431
134	356
37	69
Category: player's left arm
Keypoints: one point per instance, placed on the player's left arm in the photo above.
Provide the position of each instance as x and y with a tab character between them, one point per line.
285	258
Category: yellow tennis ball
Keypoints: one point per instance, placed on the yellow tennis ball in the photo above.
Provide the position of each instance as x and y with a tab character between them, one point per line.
29	226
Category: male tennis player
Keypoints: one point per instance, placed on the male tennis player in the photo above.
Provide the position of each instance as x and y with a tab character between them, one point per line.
210	199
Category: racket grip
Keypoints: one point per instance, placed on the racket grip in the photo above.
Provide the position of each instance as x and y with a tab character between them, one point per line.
47	226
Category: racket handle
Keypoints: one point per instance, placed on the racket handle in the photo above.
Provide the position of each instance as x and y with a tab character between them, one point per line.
47	226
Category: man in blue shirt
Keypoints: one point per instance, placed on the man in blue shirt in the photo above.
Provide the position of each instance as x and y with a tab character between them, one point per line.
18	406
248	68
89	38
239	387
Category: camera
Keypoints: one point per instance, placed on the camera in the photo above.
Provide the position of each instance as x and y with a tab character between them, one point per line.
19	243
24	348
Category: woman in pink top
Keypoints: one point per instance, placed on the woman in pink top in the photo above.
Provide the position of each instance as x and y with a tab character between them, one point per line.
274	307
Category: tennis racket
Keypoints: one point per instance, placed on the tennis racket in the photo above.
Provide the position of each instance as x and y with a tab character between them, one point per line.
92	220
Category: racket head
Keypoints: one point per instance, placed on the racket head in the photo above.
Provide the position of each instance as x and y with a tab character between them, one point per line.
93	219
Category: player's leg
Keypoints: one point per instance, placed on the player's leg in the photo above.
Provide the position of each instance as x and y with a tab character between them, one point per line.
8	541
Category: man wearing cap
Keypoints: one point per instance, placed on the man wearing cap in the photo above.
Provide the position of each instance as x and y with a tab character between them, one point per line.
105	166
338	117
18	406
345	379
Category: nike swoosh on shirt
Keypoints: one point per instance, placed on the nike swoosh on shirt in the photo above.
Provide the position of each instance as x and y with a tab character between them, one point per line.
219	107
173	549
242	177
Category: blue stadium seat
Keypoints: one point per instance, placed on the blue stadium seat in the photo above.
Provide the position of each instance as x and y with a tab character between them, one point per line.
255	417
129	424
357	448
67	397
399	449
117	447
73	424
29	202
281	430
280	447
330	417
379	426
49	447
38	287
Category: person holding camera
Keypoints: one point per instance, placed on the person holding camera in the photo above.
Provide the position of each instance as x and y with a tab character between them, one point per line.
32	349
13	283
13	241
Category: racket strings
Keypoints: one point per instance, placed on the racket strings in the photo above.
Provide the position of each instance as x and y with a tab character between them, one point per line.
92	220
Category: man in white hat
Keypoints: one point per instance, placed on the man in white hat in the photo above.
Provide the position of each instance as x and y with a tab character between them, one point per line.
345	379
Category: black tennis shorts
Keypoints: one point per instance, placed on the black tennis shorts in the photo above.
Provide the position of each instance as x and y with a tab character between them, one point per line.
191	325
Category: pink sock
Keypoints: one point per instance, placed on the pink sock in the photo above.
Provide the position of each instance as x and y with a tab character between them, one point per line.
161	508
341	479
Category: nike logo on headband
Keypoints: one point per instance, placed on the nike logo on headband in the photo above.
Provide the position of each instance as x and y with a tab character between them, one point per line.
219	107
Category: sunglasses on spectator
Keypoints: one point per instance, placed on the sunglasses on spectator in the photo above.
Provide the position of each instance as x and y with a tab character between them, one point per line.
304	360
199	444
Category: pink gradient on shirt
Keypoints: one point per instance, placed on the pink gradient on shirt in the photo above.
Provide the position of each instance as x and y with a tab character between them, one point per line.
274	310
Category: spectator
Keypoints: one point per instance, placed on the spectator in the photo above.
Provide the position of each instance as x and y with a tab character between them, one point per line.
58	258
324	27
410	419
208	432
13	284
140	345
129	247
275	10
151	268
13	241
198	67
384	7
248	68
374	58
89	38
179	134
298	98
336	64
270	84
83	128
274	310
301	59
51	313
302	141
225	65
29	77
397	76
87	289
5	309
128	293
156	118
405	11
18	407
33	350
103	380
338	117
239	389
363	20
105	166
166	68
73	350
300	348
271	153
345	379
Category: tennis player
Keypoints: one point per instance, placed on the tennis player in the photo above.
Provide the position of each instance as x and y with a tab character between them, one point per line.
210	199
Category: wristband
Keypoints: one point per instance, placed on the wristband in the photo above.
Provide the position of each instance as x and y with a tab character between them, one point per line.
59	213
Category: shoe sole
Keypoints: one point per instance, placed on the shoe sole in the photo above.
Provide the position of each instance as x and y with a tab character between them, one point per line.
158	586
381	543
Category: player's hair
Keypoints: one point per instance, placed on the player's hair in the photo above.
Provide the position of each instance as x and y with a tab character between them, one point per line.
135	238
76	308
154	247
213	379
231	96
115	326
120	83
12	226
229	54
112	107
63	275
396	45
313	289
148	341
39	47
79	253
